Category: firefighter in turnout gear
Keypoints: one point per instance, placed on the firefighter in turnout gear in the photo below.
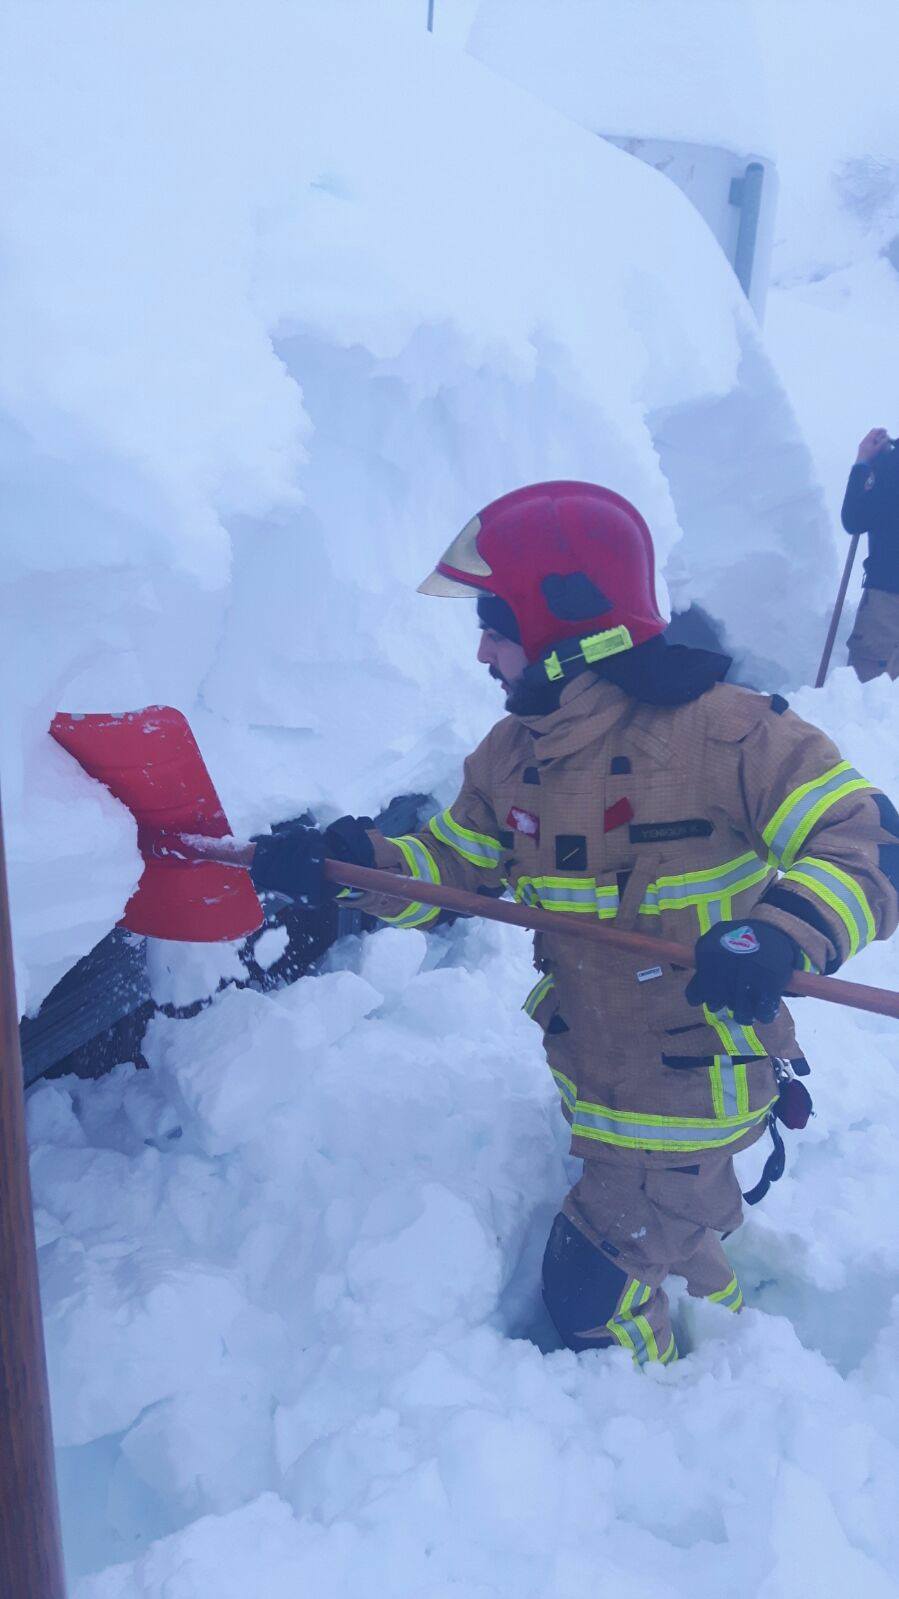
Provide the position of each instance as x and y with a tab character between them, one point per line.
629	783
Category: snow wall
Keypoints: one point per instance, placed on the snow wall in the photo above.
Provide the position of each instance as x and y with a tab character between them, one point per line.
288	297
288	294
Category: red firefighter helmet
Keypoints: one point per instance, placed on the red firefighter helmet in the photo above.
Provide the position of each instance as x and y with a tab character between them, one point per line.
570	559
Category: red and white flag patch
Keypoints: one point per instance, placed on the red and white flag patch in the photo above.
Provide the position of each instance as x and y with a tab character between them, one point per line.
524	822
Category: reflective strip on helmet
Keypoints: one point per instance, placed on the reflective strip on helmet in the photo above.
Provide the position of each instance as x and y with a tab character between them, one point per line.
638	1130
841	892
422	867
730	1088
580	895
802	809
688	889
730	1297
538	993
631	1330
478	848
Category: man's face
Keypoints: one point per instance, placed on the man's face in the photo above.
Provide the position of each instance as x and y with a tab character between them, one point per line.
505	660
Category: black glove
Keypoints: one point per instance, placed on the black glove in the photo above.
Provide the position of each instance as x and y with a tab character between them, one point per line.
289	861
347	840
743	967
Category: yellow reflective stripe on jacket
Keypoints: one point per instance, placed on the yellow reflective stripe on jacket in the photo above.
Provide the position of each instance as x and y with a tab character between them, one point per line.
567	1092
687	889
538	993
841	892
737	1039
630	1129
730	1088
802	810
631	1330
423	867
730	1297
578	895
478	848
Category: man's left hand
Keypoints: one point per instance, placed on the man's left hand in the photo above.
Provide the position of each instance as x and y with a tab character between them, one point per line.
744	967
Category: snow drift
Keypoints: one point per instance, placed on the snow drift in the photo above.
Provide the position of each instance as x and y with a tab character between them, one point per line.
288	297
289	294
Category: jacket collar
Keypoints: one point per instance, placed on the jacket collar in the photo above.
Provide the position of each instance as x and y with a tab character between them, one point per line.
589	708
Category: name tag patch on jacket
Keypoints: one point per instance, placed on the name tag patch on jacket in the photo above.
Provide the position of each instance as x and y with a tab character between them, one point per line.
524	822
667	832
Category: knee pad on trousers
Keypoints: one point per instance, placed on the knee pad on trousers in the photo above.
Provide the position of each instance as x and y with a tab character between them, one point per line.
581	1285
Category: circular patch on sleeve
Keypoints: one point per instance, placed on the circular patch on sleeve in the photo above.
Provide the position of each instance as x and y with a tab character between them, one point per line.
740	941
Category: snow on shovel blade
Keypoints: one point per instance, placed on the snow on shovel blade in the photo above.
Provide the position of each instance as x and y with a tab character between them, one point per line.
150	761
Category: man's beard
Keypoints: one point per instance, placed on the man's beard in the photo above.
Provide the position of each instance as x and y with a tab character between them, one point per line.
525	698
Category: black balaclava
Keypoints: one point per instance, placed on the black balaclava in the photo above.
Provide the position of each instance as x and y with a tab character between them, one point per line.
654	673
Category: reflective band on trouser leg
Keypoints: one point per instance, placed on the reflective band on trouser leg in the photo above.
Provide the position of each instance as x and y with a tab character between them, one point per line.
841	892
580	895
423	868
477	848
701	888
730	1297
638	1130
631	1326
538	993
801	811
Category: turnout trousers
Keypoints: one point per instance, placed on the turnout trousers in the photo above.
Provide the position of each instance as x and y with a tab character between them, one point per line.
629	1223
874	641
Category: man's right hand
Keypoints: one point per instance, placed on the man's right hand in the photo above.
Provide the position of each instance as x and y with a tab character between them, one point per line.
872	445
289	861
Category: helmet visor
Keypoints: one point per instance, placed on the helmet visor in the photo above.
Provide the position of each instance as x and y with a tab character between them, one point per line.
462	556
449	588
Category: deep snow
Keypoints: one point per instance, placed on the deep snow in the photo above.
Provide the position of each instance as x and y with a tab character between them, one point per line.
295	1267
290	294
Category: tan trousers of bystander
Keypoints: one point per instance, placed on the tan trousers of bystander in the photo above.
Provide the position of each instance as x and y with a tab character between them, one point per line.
874	641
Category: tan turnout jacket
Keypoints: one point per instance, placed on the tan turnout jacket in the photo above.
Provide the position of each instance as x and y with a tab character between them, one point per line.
665	820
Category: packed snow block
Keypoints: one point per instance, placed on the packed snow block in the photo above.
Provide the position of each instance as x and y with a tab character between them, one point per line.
440	1264
162	1328
249	1055
150	761
209	1448
229	1556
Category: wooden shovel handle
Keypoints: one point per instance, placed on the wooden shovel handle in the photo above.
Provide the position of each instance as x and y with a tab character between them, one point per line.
859	996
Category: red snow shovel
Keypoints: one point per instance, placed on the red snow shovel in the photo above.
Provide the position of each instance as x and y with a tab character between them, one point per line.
150	761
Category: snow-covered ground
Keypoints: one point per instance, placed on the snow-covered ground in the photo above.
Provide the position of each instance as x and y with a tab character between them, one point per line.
291	1278
291	290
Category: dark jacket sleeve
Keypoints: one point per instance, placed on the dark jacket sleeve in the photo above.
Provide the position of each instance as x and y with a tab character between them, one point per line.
858	501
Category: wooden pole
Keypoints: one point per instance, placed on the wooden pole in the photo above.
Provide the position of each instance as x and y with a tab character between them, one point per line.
859	996
837	612
31	1565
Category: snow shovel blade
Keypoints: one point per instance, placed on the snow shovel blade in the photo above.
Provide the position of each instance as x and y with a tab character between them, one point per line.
150	761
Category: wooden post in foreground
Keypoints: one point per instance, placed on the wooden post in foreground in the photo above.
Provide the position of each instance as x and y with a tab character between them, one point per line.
837	612
31	1565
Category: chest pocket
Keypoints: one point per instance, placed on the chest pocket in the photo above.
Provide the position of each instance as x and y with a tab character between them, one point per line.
561	868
